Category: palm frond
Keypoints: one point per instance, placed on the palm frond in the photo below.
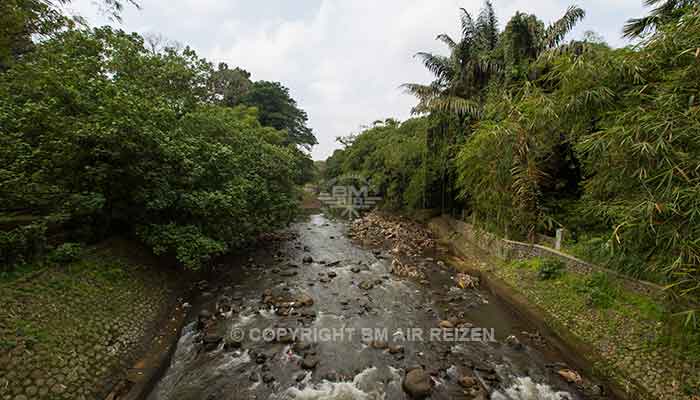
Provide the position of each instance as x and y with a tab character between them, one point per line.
468	28
440	66
445	38
455	105
555	33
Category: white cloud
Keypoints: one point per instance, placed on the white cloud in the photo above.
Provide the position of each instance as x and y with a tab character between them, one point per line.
342	60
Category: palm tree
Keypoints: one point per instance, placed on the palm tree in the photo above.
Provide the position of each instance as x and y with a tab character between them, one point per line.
664	11
462	77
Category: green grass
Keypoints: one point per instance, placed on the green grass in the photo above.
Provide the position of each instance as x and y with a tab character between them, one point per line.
605	293
19	271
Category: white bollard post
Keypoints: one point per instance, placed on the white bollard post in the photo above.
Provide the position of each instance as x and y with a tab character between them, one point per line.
559	239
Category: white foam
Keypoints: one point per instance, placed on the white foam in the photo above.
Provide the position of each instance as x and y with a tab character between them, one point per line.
524	388
364	386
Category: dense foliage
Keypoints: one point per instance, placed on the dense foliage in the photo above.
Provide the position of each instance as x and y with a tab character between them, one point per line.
101	135
528	133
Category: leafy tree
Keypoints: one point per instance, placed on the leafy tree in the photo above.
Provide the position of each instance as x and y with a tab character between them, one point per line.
114	135
278	110
21	21
230	85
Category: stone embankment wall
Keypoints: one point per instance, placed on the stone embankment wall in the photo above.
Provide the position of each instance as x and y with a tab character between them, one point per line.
73	332
625	342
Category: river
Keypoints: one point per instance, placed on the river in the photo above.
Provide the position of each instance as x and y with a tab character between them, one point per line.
365	329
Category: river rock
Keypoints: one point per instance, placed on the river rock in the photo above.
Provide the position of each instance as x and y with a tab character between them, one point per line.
417	384
356	270
268	378
232	343
395	349
366	285
468	382
513	342
211	342
332	274
308	259
379	344
445	324
305	300
309	362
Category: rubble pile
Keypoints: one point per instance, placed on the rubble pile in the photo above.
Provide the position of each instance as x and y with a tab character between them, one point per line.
405	236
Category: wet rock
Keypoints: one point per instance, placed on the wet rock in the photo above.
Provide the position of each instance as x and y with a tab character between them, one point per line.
288	273
282	311
300	376
379	344
356	270
260	358
468	382
332	376
417	384
308	259
366	285
513	342
324	280
232	343
309	362
445	324
300	347
204	315
254	377
305	300
211	342
396	349
332	274
333	264
570	376
268	378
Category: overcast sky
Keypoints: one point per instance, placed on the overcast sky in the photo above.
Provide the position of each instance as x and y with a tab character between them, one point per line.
343	60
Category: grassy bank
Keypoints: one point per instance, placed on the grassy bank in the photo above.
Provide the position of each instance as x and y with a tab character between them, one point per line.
632	338
71	331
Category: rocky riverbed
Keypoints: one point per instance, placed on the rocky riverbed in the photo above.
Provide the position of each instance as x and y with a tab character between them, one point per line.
367	310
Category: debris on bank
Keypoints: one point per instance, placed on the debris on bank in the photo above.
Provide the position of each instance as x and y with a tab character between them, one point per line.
406	237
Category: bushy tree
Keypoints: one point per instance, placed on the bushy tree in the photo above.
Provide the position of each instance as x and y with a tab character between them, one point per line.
97	123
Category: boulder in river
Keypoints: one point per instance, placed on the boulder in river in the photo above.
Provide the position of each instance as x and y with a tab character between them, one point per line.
366	285
309	362
305	300
308	259
446	324
211	342
417	383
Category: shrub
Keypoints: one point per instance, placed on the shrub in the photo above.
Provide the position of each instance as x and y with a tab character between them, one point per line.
550	269
599	289
21	245
66	253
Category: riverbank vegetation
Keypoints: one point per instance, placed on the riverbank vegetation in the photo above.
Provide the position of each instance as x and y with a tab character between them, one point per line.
104	132
526	133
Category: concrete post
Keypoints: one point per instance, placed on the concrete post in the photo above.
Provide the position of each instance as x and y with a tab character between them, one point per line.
559	239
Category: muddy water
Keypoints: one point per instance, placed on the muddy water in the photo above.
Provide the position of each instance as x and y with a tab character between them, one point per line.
340	324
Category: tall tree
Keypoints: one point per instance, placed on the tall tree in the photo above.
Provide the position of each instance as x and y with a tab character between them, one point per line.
23	21
279	110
